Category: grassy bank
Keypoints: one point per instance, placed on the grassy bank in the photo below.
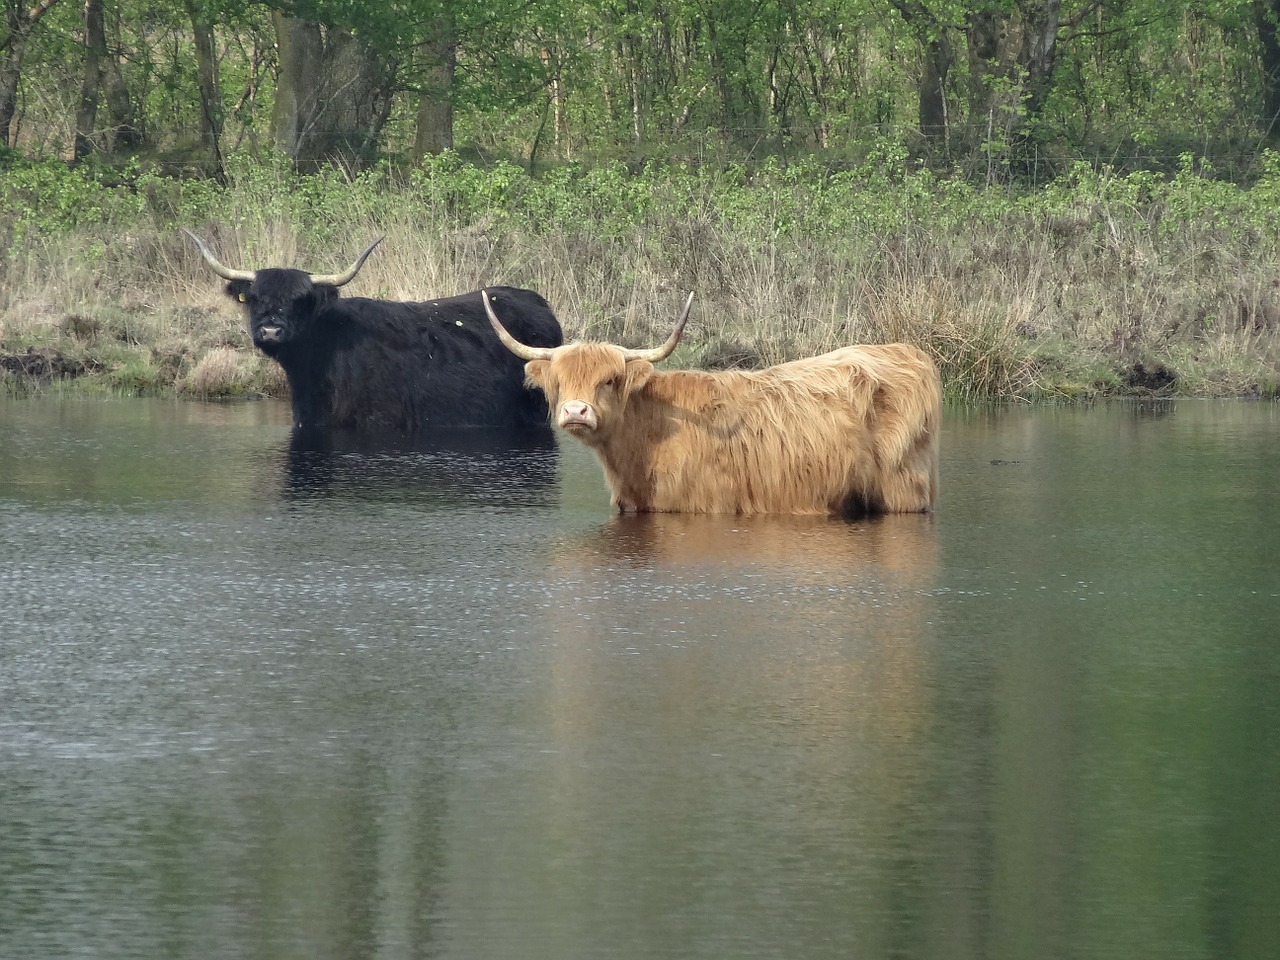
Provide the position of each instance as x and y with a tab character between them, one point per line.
1097	285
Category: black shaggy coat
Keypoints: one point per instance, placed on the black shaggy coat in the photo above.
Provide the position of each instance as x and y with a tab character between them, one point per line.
355	362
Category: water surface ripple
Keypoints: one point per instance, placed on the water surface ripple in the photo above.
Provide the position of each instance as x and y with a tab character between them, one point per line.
376	698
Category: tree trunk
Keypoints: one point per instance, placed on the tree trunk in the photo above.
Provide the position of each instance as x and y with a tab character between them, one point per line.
555	89
739	115
102	76
333	94
1266	15
10	76
20	21
1038	55
125	132
211	113
933	89
95	51
298	49
982	32
434	132
936	59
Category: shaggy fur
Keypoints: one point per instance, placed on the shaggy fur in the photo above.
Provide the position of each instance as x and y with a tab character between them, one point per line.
851	432
353	362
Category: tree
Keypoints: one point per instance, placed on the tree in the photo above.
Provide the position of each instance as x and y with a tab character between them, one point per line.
95	51
1038	50
20	21
434	127
931	29
1266	14
348	80
210	90
1013	55
333	93
102	77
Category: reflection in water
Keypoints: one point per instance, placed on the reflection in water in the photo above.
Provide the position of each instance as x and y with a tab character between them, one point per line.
740	705
492	466
432	700
817	549
1153	409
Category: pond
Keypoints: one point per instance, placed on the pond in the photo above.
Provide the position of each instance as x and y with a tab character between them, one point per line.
387	699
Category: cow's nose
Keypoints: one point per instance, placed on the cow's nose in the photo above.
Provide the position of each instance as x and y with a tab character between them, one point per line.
577	413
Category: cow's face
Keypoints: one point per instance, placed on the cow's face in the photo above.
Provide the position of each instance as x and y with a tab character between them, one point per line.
280	305
587	387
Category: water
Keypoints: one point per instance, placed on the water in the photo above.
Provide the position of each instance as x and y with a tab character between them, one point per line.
433	700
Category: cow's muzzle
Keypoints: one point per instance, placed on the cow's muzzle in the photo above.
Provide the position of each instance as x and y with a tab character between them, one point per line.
269	333
577	416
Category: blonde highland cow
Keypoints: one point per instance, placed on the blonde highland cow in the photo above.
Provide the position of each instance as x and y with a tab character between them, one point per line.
851	432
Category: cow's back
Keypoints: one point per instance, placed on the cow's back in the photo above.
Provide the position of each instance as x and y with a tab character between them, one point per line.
851	431
900	386
434	363
525	313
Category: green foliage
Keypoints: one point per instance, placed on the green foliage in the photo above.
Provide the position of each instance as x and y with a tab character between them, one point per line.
1134	84
608	192
40	198
467	192
1160	77
134	376
1192	200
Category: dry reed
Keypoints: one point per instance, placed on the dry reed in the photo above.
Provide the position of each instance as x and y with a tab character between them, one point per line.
1031	306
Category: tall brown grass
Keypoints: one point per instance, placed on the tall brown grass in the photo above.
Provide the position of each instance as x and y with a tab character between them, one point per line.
1081	303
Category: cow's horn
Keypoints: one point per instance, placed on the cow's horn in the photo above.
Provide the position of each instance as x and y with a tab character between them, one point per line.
511	343
226	273
664	351
338	279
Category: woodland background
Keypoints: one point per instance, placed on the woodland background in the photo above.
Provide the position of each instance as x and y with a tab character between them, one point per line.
989	88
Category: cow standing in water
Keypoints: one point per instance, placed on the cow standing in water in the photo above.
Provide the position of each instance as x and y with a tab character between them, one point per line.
851	432
355	362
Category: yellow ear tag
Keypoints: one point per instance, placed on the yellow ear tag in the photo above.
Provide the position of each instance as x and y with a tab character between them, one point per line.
241	298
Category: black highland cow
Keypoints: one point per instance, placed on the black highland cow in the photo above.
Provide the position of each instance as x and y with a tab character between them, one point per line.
355	362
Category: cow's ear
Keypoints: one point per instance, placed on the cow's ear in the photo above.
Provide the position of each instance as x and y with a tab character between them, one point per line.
638	374
536	371
324	292
238	290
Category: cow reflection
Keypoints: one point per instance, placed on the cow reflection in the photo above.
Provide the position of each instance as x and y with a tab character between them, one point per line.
822	616
491	466
813	549
766	681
